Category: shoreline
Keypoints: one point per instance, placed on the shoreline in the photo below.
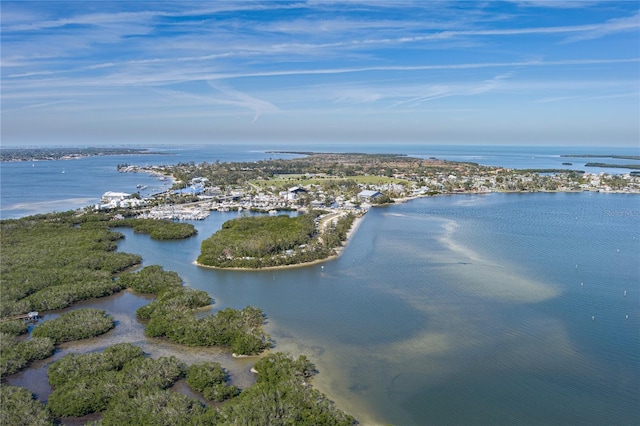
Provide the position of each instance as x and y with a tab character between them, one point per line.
338	252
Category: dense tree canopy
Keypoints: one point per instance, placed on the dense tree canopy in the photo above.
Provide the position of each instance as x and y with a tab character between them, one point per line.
19	408
75	325
17	354
171	315
151	279
52	261
282	396
264	241
128	388
158	229
90	393
256	238
210	379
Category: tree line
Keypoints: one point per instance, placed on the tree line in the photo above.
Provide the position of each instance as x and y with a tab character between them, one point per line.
171	315
263	241
126	387
51	261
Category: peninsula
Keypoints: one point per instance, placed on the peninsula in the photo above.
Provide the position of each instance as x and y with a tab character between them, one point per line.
329	191
66	153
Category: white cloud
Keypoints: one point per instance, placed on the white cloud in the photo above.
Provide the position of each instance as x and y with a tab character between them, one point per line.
241	99
556	4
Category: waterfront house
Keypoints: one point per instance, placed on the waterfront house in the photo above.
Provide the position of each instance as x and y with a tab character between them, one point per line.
295	192
111	196
369	195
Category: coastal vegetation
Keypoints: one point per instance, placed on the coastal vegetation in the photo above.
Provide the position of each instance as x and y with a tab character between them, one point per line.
210	379
620	157
151	279
155	407
20	408
261	241
52	261
75	325
14	327
618	166
158	229
172	315
87	383
17	354
126	387
55	153
282	396
238	330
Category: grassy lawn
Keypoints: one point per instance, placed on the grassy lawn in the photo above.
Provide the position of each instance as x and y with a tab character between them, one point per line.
282	182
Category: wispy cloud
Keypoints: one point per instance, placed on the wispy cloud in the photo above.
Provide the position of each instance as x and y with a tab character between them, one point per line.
444	67
274	60
244	100
434	92
556	4
612	26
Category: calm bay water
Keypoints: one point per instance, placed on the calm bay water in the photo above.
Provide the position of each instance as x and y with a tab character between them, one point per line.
466	309
40	187
59	185
460	309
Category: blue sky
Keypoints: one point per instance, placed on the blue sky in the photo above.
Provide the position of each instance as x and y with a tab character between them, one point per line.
512	72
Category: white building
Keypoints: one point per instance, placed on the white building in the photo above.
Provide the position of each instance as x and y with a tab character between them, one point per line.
111	196
369	195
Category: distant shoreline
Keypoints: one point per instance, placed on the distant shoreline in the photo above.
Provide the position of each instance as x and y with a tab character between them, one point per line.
619	157
52	154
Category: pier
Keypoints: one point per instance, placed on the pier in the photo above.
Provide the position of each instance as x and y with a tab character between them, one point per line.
31	316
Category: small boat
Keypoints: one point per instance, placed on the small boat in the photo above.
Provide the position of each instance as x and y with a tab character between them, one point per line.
62	171
567	164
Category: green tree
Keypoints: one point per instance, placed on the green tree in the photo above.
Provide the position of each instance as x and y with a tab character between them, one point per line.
19	408
75	325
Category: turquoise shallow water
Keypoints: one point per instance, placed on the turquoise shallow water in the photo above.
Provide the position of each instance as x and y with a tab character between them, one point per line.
492	309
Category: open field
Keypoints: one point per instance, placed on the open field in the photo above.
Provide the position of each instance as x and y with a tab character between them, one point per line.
289	180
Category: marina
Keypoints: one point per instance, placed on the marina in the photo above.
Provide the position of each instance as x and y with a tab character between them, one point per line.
175	213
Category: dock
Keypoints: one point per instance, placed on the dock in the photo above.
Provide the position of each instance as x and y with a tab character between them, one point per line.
31	316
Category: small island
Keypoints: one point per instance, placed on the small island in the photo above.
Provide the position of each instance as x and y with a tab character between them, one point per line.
276	241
